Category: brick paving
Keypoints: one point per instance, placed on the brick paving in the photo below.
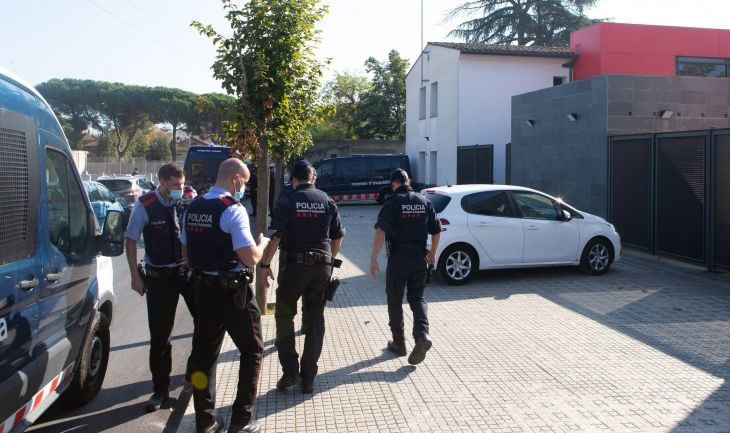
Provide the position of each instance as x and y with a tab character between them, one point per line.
644	348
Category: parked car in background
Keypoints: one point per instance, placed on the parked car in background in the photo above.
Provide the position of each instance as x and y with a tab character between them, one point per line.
56	282
503	226
102	200
201	166
364	178
127	189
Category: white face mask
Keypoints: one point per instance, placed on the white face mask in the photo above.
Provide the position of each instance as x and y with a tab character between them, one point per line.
239	194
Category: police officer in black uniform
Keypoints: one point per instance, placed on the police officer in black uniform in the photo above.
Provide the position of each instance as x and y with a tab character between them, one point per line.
218	245
405	221
165	278
310	232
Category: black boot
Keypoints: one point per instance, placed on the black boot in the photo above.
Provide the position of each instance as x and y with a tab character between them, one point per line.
251	427
307	384
155	402
398	348
286	382
419	351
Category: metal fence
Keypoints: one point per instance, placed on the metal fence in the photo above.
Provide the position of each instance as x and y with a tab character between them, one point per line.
103	166
669	193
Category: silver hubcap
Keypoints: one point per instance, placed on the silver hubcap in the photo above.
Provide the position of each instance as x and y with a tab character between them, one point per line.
458	265
95	358
598	257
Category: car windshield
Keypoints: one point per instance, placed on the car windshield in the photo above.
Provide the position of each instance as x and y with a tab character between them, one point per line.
439	201
116	184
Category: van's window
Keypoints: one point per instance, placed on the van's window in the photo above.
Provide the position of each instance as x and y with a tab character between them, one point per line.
68	217
353	169
325	172
14	196
383	167
93	192
439	201
105	194
116	184
197	168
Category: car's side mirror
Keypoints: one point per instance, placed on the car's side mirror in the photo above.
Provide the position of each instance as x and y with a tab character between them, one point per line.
564	215
111	241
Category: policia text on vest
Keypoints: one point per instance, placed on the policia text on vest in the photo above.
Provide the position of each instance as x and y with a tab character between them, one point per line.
309	231
218	245
405	221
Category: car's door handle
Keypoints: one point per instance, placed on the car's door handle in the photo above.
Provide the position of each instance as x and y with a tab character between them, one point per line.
28	284
533	228
483	223
52	278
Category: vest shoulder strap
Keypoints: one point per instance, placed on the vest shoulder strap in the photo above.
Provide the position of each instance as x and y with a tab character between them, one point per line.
148	199
227	200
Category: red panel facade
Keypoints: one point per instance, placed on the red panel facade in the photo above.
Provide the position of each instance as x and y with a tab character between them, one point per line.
612	48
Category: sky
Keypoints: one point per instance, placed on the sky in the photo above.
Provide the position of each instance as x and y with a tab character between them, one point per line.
151	43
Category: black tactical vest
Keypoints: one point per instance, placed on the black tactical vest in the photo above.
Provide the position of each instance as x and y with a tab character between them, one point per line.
310	216
411	212
162	232
210	249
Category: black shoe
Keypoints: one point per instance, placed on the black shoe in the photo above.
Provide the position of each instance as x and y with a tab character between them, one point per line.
218	426
397	348
286	382
307	384
251	427
155	402
419	351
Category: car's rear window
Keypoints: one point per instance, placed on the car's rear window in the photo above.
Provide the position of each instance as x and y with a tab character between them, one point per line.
439	201
116	184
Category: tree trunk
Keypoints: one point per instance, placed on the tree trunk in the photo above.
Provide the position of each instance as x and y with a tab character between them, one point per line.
262	212
173	143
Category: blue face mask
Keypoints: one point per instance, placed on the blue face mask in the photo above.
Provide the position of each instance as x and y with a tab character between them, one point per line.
239	194
176	194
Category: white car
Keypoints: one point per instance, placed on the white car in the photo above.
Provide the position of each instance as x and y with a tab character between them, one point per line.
504	226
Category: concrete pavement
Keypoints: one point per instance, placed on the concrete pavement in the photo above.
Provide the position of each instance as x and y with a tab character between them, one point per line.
643	348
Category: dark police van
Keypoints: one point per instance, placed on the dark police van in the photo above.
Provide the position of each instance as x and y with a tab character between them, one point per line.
56	294
201	166
364	178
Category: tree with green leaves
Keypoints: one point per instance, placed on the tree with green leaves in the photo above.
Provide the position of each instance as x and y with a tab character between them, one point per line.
268	65
521	22
339	105
175	107
382	109
213	112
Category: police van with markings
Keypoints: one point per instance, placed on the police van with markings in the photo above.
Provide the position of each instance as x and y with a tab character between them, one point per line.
56	294
359	179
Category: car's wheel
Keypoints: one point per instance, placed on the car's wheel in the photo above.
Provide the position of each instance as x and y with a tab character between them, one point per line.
458	264
384	194
92	364
597	257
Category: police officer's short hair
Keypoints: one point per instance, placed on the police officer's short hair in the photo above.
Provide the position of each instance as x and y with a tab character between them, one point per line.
231	167
168	171
401	176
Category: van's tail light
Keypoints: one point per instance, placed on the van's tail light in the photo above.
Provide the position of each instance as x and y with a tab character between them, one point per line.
134	194
444	221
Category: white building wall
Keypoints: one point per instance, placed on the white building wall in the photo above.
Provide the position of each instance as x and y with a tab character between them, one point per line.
428	158
486	87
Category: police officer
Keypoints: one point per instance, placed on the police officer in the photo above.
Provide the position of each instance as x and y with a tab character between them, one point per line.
155	216
218	245
405	221
310	233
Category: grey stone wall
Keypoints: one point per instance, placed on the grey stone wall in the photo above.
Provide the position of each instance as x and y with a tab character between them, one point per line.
326	148
569	159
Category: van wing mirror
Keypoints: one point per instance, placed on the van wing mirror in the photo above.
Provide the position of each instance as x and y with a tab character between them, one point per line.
111	241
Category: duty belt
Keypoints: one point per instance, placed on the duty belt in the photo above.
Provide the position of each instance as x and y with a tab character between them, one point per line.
156	272
311	258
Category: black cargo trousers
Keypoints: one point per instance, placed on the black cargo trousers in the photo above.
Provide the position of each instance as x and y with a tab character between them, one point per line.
308	282
217	314
162	295
407	267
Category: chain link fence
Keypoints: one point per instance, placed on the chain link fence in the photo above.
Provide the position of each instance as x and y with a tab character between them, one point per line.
107	166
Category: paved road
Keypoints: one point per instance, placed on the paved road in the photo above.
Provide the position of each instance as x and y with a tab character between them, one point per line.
119	405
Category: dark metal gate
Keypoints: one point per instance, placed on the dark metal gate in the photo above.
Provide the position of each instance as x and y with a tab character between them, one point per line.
669	193
474	164
721	229
680	192
631	186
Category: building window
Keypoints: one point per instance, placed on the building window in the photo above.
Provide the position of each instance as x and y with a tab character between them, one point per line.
702	67
434	99
559	80
433	173
422	103
422	167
